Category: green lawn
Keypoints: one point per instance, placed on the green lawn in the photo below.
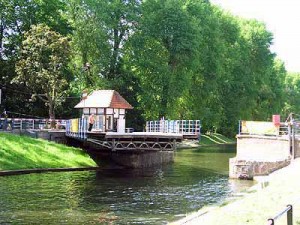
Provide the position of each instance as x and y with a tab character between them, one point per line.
20	152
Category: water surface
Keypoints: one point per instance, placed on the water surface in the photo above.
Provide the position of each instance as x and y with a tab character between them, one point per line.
119	196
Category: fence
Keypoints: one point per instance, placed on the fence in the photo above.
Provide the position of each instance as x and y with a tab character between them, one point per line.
288	210
185	127
25	124
262	128
77	128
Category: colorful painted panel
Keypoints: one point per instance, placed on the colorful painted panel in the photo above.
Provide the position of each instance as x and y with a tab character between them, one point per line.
74	125
258	127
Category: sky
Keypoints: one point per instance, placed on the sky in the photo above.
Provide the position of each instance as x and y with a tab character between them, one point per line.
282	18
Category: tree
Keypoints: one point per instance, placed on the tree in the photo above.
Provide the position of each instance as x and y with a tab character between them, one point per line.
292	92
101	30
42	65
16	17
182	59
163	55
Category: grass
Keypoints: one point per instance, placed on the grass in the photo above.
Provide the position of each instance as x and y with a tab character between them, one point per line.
208	140
20	152
214	138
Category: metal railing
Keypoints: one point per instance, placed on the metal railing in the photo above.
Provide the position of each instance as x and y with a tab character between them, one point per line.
288	210
7	124
186	127
296	127
282	129
77	128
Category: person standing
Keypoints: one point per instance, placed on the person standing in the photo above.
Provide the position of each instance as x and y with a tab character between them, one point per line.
91	122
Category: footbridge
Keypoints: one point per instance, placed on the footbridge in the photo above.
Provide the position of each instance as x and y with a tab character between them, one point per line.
133	149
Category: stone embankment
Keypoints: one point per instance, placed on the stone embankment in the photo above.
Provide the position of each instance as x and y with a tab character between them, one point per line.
259	155
263	201
247	169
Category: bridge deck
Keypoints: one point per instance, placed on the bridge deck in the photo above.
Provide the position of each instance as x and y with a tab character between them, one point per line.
135	141
143	135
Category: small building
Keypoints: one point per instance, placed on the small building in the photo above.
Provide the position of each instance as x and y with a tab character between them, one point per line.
108	106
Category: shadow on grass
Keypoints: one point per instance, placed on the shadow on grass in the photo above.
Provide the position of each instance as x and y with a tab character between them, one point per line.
228	148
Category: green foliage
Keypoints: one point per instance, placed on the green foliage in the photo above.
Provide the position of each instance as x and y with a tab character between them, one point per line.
167	35
101	29
16	17
292	91
19	152
181	59
43	65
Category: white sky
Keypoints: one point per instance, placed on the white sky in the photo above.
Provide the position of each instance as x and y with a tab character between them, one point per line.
282	18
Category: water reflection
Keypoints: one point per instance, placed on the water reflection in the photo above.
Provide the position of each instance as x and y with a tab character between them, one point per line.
118	196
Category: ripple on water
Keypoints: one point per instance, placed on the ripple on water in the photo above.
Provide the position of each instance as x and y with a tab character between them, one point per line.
150	196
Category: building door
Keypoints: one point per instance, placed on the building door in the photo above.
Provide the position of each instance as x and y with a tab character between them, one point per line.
115	124
109	123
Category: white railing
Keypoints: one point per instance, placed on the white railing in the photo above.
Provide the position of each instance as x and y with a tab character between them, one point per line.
25	123
185	127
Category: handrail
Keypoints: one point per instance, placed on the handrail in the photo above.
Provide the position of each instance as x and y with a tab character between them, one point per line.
28	123
186	127
282	130
289	213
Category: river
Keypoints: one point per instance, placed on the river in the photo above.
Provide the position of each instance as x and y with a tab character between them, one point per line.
197	178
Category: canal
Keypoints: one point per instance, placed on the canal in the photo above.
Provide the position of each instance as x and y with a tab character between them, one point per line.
117	196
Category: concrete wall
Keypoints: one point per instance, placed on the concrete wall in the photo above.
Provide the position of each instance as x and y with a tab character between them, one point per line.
262	148
143	159
52	135
259	155
57	136
128	158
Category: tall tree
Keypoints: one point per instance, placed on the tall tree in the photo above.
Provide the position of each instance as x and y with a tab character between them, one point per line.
182	59
292	93
101	30
42	65
163	56
16	17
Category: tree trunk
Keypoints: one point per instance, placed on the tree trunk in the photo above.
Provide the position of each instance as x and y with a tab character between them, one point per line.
118	36
51	114
166	98
1	37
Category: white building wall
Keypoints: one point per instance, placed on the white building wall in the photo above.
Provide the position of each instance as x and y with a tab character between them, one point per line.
121	124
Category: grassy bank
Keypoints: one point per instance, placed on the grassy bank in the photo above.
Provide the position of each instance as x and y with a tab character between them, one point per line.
259	204
215	139
20	152
207	140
